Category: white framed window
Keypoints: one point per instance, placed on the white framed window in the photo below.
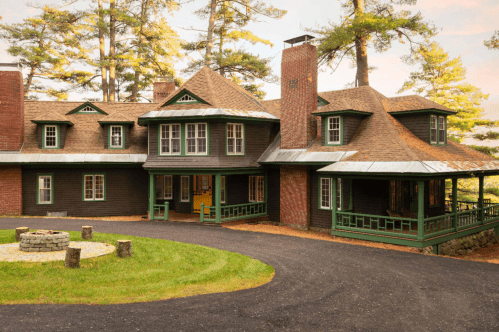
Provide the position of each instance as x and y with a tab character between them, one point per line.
334	130
235	139
164	186
326	192
170	139
256	189
184	189
222	189
433	129
87	109
196	138
186	99
50	137
45	189
94	187
116	134
441	130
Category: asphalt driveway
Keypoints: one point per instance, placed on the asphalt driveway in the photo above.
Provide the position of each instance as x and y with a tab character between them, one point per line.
318	286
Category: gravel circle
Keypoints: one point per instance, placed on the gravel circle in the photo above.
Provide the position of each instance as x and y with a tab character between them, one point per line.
10	252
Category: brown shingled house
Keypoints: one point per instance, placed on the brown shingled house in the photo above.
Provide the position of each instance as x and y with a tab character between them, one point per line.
352	161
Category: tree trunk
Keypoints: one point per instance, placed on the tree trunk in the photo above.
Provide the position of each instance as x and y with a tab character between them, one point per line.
112	50
211	27
19	231
124	248
29	80
136	79
362	77
87	232
102	50
72	257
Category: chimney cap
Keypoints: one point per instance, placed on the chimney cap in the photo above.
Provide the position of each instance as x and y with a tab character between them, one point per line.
10	67
304	38
168	79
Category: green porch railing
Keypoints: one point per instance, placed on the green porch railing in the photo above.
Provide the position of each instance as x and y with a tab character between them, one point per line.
467	219
382	225
234	212
438	225
491	213
161	211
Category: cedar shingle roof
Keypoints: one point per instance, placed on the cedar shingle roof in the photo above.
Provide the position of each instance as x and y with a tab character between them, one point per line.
216	91
115	118
87	135
49	117
413	103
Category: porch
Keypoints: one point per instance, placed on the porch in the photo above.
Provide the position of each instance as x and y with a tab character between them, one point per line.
414	227
216	196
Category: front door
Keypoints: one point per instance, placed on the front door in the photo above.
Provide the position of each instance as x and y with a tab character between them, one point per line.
202	193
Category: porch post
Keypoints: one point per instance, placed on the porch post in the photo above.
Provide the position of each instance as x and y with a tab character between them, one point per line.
152	196
420	210
218	202
480	198
454	203
335	202
350	202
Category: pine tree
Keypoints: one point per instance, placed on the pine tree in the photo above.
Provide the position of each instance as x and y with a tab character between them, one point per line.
226	30
441	81
493	43
368	23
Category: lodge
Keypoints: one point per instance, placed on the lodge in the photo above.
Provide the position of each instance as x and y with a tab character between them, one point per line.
352	162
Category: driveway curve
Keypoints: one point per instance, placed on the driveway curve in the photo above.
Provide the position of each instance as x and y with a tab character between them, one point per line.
318	286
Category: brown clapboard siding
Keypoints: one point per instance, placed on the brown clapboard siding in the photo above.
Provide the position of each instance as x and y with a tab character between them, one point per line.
350	125
257	139
237	191
274	191
419	125
126	192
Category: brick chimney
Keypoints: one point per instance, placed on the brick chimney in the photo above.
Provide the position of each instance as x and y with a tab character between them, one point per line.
298	94
11	107
163	87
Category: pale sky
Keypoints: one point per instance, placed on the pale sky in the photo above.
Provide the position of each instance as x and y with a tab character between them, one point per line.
463	26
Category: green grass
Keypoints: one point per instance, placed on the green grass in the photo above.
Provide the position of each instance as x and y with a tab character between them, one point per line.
158	270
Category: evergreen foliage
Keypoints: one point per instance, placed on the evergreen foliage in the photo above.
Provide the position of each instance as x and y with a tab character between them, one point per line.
441	81
488	135
493	43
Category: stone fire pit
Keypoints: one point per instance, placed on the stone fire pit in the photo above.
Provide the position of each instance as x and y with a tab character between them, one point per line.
43	241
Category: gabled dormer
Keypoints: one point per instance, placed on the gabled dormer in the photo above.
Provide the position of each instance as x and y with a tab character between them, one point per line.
51	130
427	120
87	108
184	97
116	131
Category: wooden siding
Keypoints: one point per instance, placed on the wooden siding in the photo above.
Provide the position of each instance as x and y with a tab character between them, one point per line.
257	139
419	125
126	132
273	191
62	132
126	192
350	126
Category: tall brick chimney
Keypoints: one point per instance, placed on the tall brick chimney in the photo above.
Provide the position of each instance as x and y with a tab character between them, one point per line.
298	94
163	87
11	107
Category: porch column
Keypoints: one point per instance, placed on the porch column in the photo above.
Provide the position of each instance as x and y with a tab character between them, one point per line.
152	196
420	210
218	198
350	202
454	203
335	202
480	198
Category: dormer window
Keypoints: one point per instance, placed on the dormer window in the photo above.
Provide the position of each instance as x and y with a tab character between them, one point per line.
438	129
333	130
186	99
116	137
50	137
87	109
441	130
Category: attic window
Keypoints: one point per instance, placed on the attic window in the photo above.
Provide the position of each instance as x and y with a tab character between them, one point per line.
87	109
186	99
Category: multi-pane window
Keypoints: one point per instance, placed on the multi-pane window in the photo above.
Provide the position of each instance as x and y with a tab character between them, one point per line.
395	195
235	137
45	189
184	189
116	136
334	130
441	130
433	129
164	187
170	139
326	192
50	137
434	192
222	190
87	109
256	189
186	99
93	187
196	141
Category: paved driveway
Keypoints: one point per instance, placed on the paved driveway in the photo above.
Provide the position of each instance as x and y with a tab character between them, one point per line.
318	286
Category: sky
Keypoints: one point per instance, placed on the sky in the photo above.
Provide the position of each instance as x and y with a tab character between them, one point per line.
463	26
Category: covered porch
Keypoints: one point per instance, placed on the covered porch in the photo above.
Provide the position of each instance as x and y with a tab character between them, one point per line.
207	195
417	214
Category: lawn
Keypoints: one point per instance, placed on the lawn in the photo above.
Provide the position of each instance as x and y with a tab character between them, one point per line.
158	270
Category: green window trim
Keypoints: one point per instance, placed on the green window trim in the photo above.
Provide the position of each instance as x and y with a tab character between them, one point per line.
109	136
242	138
438	130
183	140
256	190
57	136
185	95
170	139
93	177
87	108
328	183
51	176
165	187
196	138
328	124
